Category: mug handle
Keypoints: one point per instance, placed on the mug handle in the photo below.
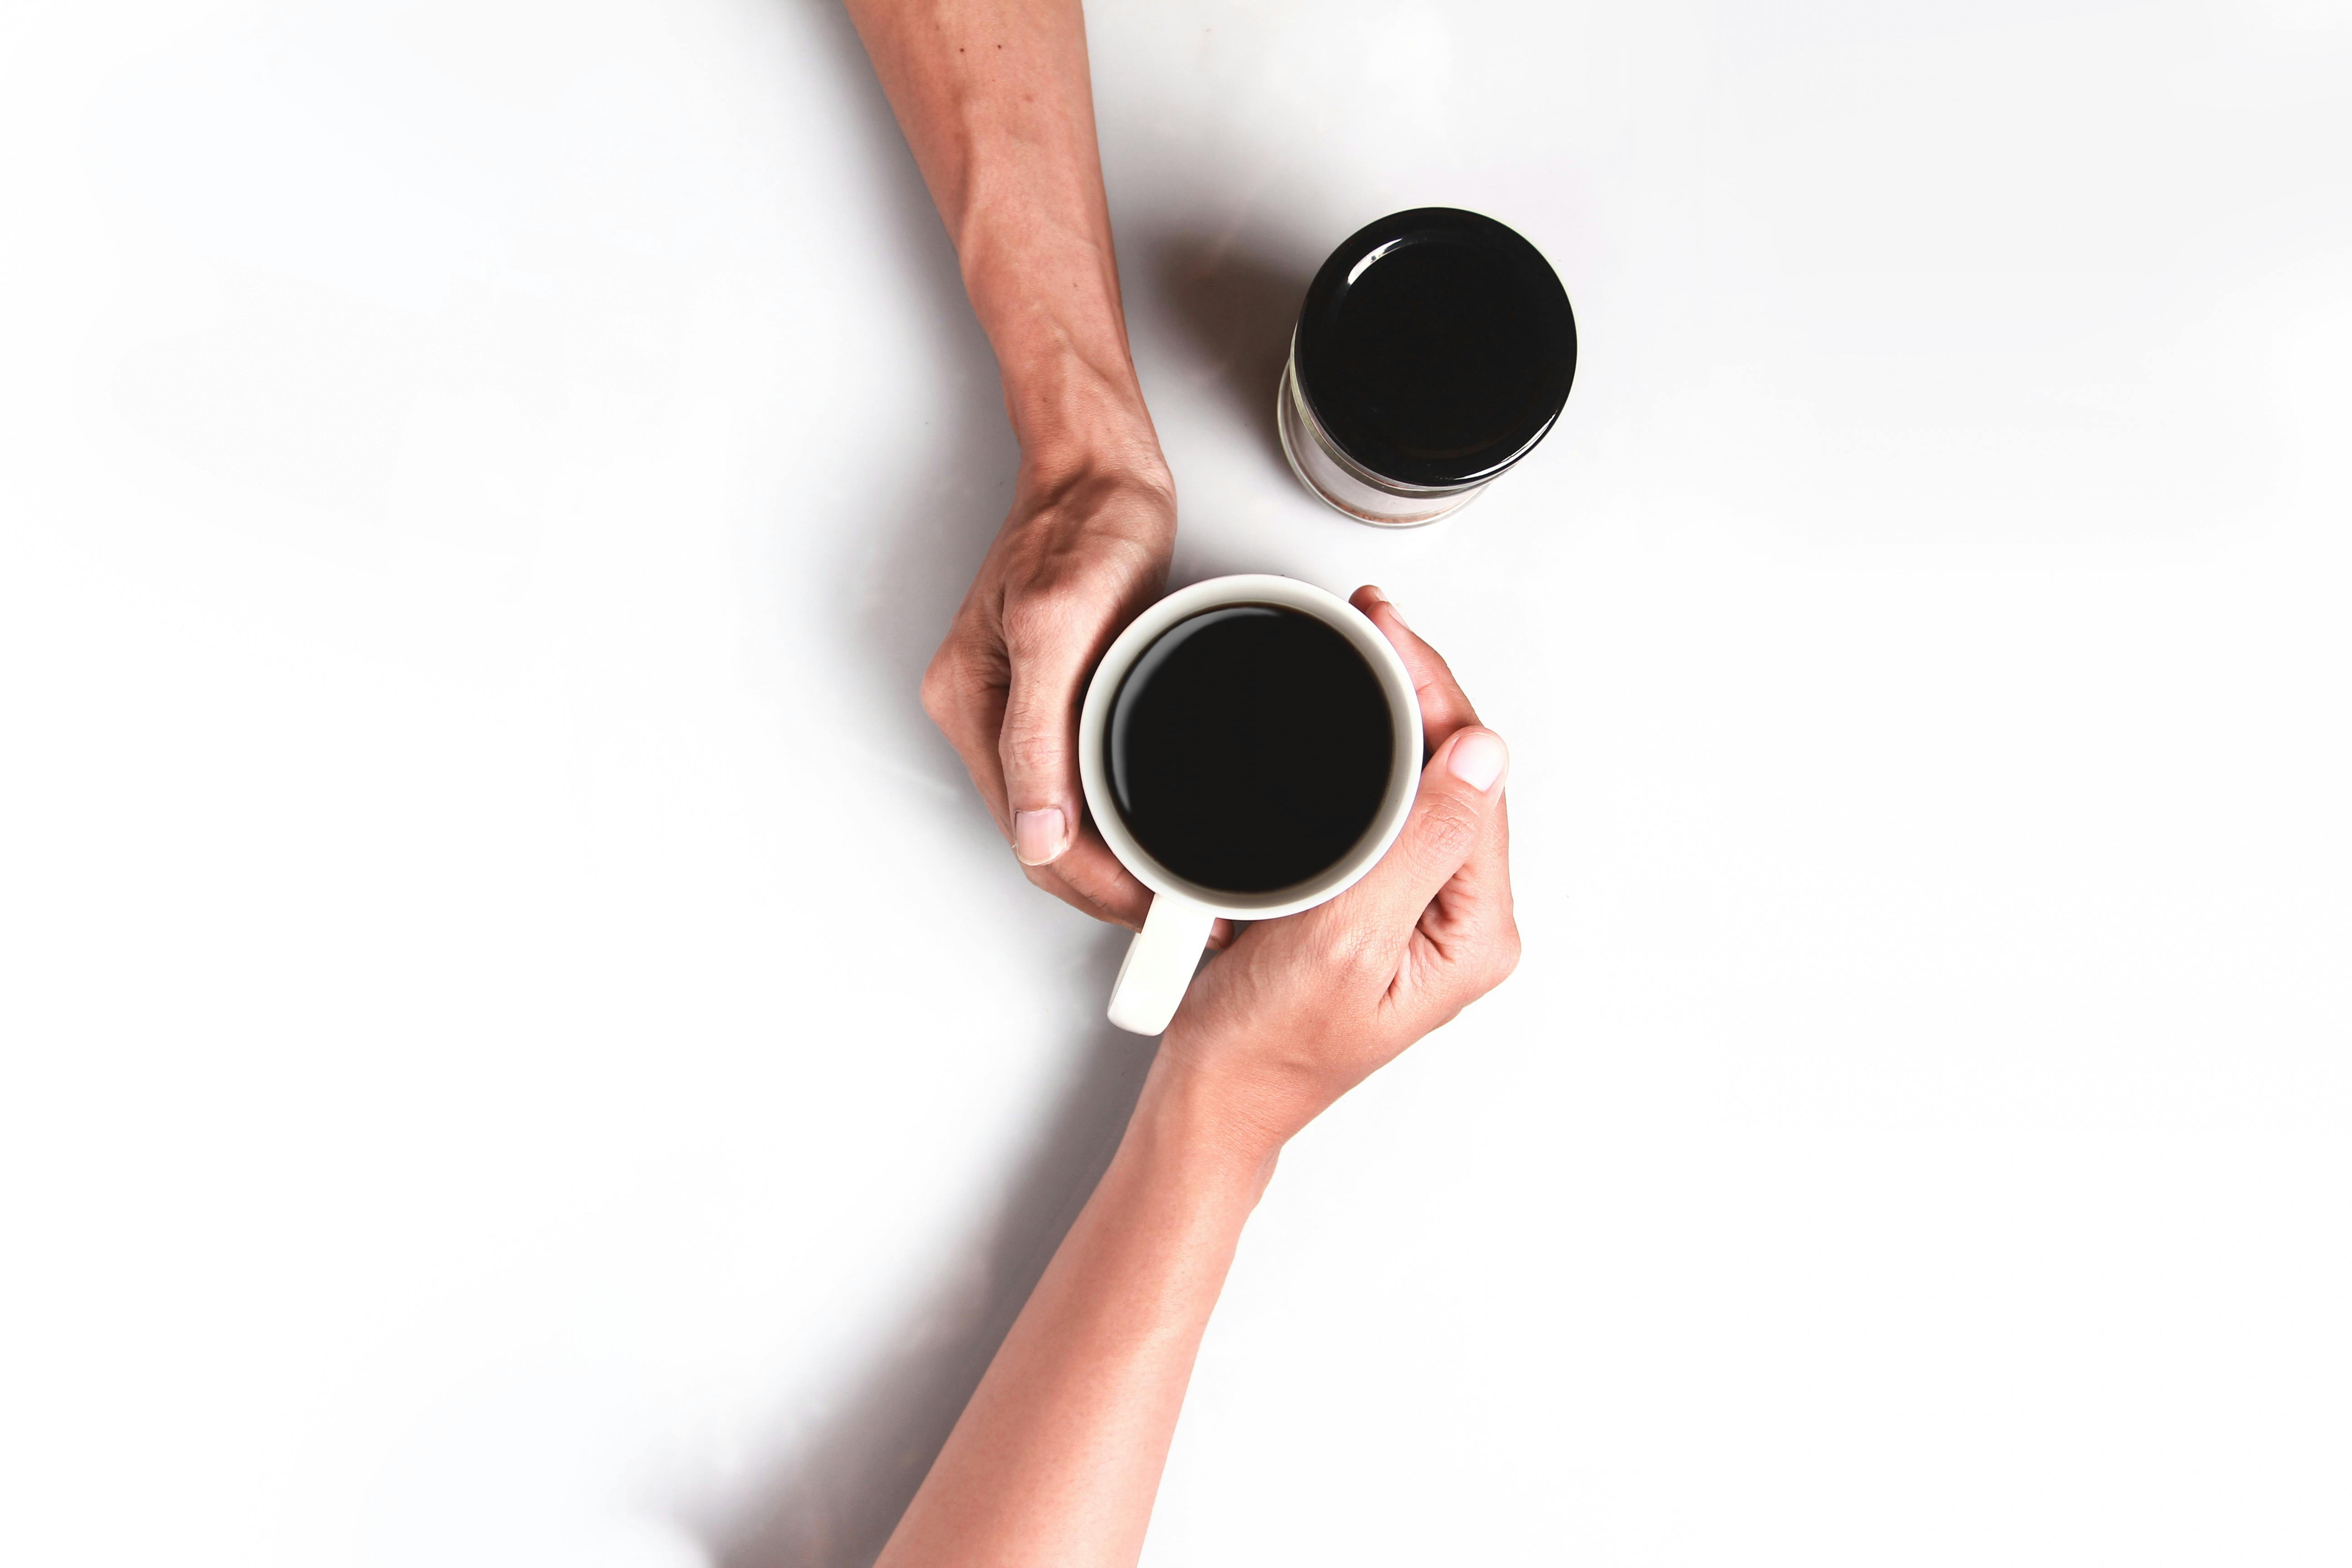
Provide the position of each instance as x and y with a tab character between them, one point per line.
1160	964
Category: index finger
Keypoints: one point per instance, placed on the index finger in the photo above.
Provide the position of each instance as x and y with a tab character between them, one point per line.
964	690
1444	706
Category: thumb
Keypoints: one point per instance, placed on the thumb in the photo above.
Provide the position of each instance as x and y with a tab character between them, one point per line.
1461	789
1039	748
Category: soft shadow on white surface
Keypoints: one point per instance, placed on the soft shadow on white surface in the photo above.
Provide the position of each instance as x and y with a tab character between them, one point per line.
1232	298
902	518
480	484
833	1489
831	1492
831	1497
830	1488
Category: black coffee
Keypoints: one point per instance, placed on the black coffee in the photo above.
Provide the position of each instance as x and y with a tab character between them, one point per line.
1249	748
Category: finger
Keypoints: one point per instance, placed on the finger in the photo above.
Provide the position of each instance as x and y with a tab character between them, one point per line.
1476	902
1050	879
1038	742
964	693
1461	793
1444	706
1467	942
1116	912
1091	872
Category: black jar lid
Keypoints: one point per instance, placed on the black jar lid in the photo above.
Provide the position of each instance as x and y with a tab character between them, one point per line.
1436	347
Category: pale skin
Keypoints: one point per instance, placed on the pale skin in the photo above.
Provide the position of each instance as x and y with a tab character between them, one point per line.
1058	1456
994	98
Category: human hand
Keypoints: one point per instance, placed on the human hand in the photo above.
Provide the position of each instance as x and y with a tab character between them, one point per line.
1301	1009
1084	549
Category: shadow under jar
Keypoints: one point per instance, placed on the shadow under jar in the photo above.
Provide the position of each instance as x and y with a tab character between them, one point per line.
1435	350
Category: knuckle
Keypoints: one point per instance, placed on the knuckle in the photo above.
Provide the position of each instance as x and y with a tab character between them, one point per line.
1030	744
1029	753
1449	829
1036	617
958	672
1355	956
941	689
1066	594
1051	641
1503	955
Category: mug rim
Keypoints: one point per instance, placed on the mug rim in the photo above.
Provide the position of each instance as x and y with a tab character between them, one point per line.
1287	593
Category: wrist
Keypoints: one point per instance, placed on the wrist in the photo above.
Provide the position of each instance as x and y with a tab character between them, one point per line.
1050	305
1075	421
1098	481
1216	1121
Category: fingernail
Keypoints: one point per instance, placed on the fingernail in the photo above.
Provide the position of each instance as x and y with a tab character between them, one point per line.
1038	836
1397	612
1478	759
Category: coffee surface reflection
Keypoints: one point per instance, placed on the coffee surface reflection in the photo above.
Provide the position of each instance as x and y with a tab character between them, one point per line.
1249	748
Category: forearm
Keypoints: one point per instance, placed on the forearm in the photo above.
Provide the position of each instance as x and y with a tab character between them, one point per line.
994	97
1058	1456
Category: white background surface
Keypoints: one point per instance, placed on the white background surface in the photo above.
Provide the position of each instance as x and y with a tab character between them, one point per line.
520	1047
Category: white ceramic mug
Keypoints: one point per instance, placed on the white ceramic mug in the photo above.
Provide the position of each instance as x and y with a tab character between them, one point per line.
1165	953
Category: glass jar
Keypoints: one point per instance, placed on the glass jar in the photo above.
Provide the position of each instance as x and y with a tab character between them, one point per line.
1434	349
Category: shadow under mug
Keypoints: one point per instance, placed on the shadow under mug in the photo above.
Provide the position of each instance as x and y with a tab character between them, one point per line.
1162	957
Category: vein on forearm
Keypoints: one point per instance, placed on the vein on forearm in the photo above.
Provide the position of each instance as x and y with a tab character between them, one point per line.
1059	1453
995	100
